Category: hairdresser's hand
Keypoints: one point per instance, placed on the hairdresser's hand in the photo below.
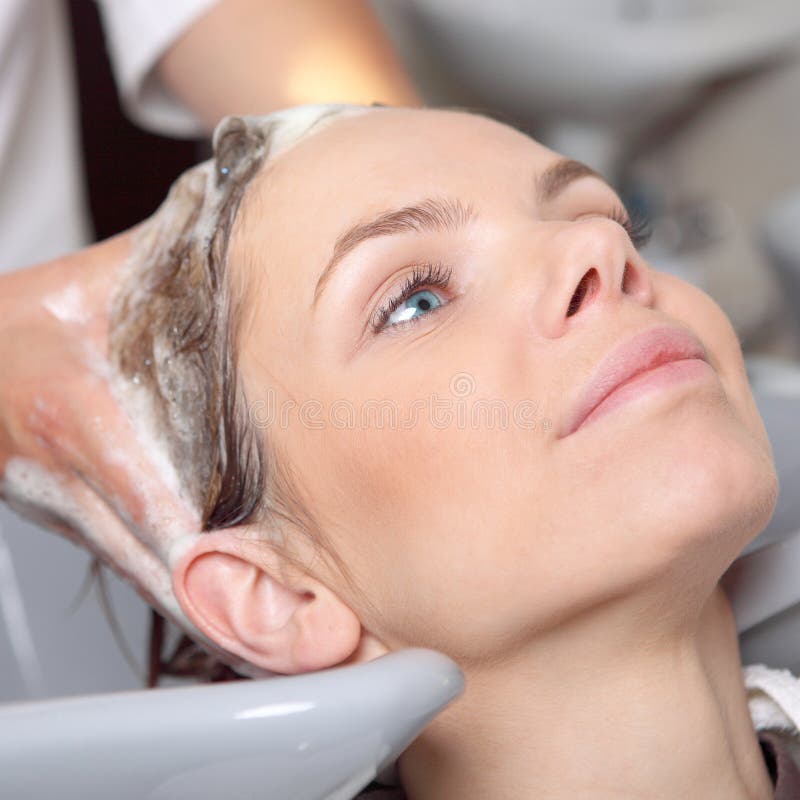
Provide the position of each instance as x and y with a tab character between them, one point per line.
68	455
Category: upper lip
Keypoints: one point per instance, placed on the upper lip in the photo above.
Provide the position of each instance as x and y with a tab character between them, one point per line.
641	352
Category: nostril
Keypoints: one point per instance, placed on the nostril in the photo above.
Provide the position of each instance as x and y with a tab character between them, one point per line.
583	289
627	278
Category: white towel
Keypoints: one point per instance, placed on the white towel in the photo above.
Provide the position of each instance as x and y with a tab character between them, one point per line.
773	697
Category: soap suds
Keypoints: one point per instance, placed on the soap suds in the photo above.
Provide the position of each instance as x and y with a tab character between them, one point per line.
36	493
158	378
67	304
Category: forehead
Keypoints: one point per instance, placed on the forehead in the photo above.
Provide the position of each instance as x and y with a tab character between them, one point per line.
389	154
366	164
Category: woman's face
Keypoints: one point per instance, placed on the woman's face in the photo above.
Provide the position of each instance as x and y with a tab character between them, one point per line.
426	436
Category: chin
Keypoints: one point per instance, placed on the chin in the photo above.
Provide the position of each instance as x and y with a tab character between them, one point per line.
712	480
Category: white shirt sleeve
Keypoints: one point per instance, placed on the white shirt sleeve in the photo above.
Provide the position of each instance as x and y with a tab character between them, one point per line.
138	32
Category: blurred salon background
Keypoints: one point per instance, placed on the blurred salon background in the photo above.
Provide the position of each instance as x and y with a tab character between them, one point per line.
690	108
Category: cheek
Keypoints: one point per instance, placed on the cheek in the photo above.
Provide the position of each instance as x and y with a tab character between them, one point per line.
699	311
435	521
398	493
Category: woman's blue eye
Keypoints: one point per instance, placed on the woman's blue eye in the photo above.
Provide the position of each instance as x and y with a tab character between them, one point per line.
414	299
421	301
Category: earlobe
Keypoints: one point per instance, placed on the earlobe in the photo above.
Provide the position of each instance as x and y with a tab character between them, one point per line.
243	596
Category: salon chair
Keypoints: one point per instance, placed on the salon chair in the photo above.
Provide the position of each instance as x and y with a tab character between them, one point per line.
763	584
780	235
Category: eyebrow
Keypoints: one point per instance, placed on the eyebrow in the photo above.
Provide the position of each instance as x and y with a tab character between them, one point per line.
438	214
555	179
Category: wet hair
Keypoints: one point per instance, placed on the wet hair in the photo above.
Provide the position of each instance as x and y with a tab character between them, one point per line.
175	325
176	318
173	331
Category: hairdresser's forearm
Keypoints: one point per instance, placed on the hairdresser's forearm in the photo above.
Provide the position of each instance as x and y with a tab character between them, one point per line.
25	330
71	457
255	56
53	316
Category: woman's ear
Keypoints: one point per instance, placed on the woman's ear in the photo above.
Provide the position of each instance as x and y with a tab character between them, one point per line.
243	595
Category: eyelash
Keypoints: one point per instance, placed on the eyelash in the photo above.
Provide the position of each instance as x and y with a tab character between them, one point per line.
427	275
635	225
438	276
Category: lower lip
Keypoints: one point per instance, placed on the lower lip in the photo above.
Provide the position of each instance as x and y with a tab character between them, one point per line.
652	380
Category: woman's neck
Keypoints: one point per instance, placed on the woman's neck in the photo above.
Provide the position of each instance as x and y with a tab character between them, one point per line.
613	713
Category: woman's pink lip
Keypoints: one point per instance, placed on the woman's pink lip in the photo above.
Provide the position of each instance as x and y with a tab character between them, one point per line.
638	355
660	377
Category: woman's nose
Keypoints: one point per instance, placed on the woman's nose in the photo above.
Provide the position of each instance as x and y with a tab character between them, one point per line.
591	264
